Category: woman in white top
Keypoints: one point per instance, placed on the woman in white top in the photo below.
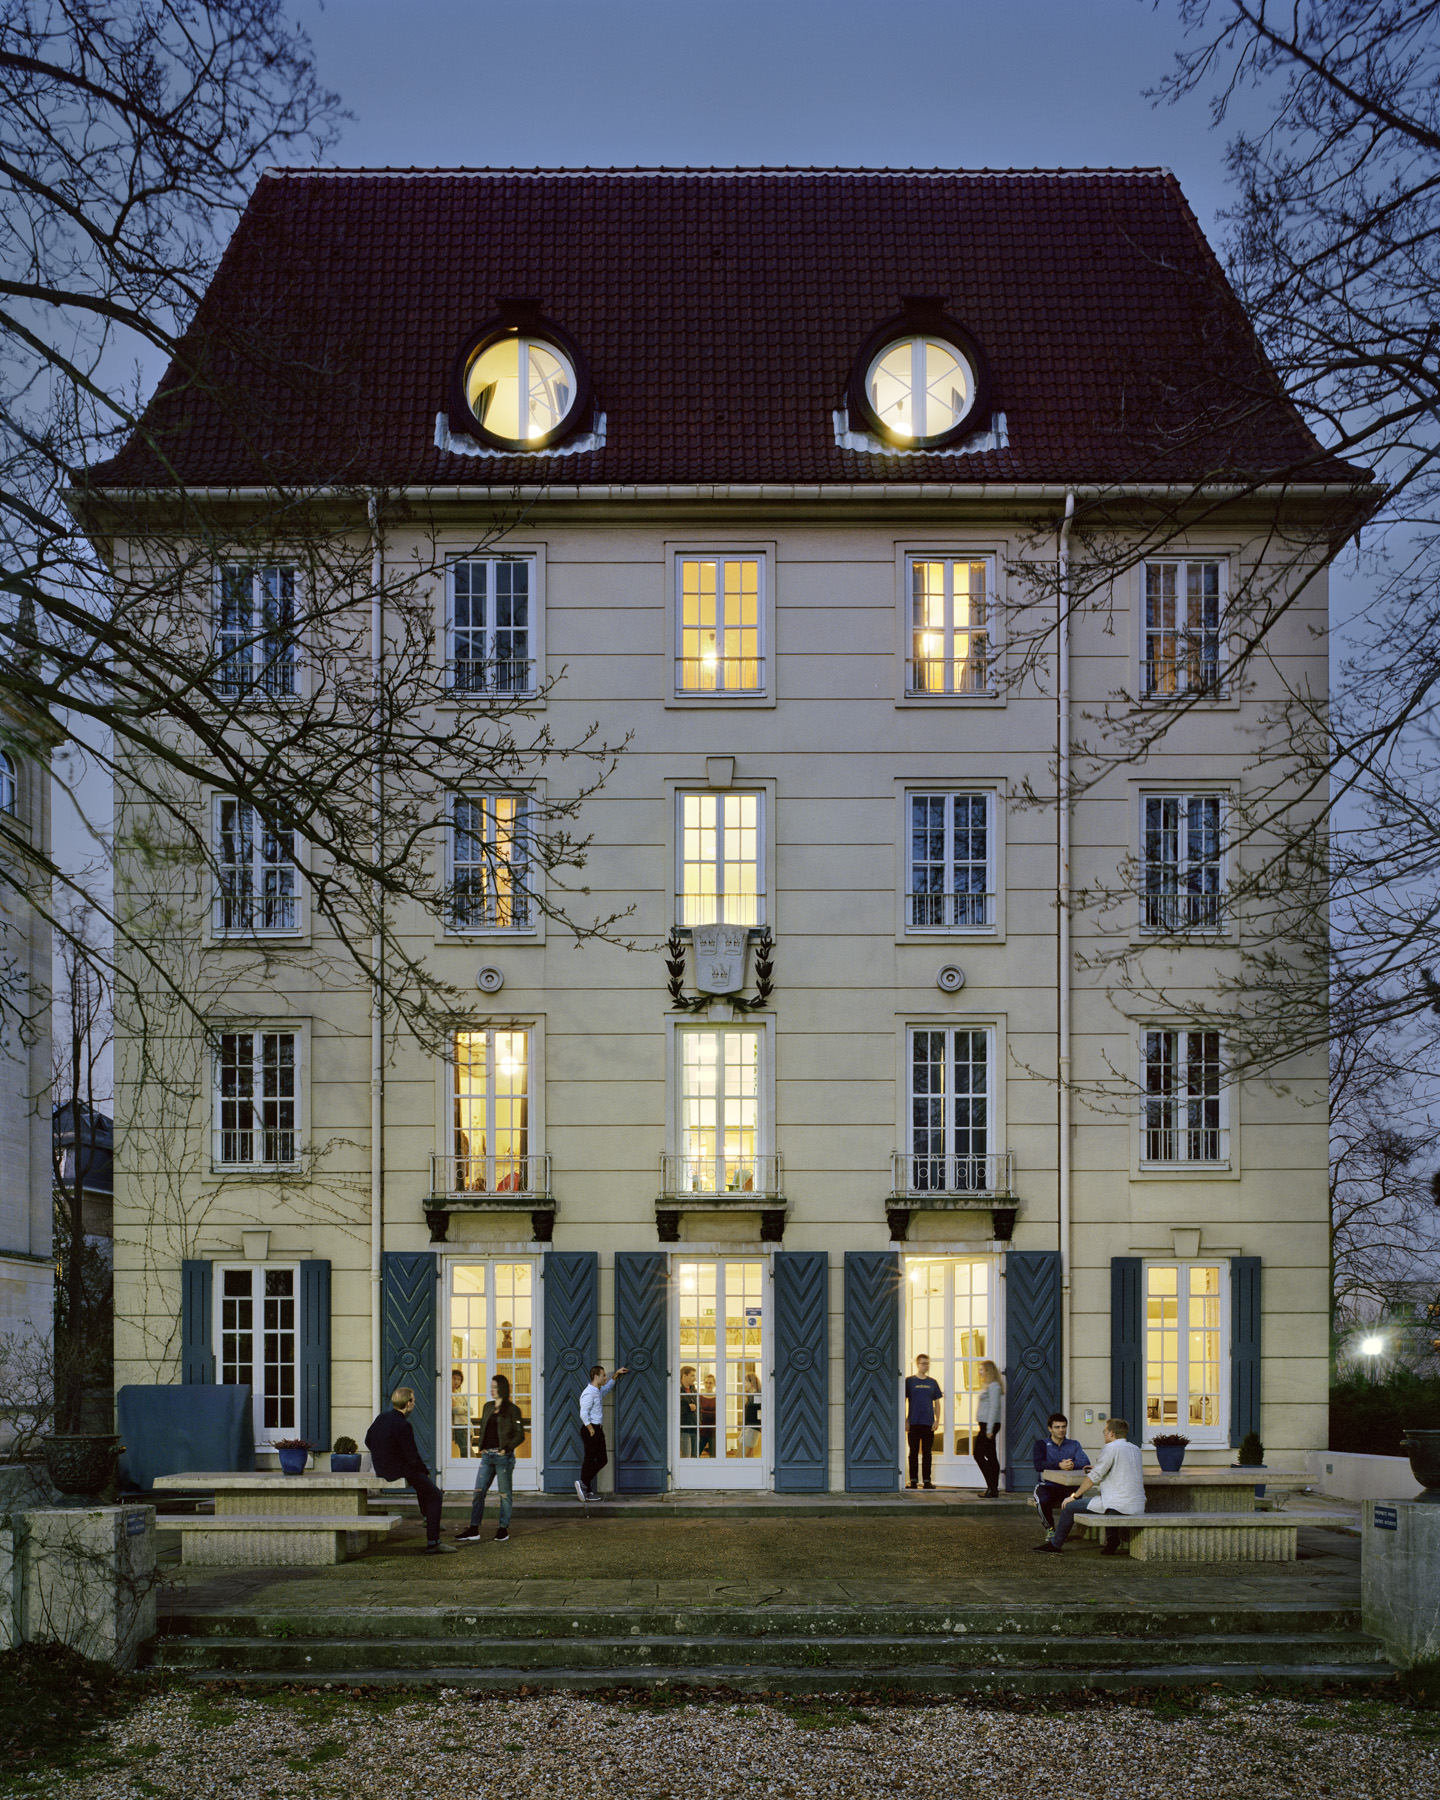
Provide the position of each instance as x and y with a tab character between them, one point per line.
987	1429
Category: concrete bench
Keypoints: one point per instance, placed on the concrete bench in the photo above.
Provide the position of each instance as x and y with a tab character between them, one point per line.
276	1540
1206	1536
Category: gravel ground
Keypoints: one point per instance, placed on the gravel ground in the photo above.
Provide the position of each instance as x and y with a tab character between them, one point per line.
454	1746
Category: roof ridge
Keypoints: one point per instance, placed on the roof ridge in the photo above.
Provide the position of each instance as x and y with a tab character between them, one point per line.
290	172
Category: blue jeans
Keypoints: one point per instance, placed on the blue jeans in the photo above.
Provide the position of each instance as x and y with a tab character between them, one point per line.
495	1465
1086	1503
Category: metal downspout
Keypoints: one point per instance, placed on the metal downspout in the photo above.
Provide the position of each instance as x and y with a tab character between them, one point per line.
377	948
1062	936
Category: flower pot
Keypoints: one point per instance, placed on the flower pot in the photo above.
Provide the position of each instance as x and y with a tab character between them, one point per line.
1170	1457
343	1464
1260	1490
292	1462
81	1465
1423	1449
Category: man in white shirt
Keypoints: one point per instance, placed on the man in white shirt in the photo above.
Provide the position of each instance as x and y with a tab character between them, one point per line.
592	1429
1118	1478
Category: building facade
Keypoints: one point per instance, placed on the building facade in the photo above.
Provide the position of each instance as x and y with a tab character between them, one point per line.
856	1075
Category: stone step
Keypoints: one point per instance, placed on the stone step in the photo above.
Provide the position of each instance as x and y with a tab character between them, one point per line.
866	1655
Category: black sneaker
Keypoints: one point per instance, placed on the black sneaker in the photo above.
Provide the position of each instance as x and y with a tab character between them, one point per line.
502	1536
912	1485
470	1535
440	1550
929	1487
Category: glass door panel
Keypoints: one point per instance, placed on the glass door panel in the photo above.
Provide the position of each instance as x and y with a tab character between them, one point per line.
719	1396
951	1318
491	1331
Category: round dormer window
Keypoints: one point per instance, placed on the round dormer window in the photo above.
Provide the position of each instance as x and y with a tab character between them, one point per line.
520	389
919	381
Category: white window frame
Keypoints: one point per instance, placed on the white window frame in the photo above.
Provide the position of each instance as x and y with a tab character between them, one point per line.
762	799
1181	1099
9	785
257	1034
740	1473
1208	920
534	1109
534	658
761	554
525	926
764	1023
990	692
1214	689
948	925
994	1152
1200	1436
529	1471
251	639
258	868
265	1436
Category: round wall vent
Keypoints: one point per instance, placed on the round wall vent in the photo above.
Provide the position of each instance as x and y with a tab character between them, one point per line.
490	980
951	979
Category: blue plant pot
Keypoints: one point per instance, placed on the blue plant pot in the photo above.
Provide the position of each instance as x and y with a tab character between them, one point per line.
292	1462
1170	1457
343	1463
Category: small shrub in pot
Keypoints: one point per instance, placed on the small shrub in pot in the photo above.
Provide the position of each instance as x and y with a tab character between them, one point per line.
345	1457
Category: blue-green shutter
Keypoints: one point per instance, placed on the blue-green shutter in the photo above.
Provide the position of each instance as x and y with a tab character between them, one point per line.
642	1462
872	1371
1244	1347
407	1337
1032	1355
197	1346
315	1352
572	1348
1127	1313
801	1378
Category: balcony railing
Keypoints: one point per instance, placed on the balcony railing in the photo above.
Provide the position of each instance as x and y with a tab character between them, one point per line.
494	675
723	1177
459	1178
1196	671
950	675
1183	912
944	912
1174	1145
719	675
960	1176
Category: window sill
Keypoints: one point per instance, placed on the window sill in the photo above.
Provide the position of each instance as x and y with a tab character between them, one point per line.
1186	1171
951	934
740	701
926	701
292	1171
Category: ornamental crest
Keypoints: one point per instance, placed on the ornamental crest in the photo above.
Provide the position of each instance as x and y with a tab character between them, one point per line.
719	958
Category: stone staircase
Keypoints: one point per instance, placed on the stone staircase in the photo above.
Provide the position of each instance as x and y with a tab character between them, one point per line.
796	1648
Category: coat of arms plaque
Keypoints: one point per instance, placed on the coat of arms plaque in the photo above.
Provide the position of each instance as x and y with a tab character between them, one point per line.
719	958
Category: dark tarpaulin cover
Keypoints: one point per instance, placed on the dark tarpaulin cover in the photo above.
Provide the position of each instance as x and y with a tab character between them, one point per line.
170	1430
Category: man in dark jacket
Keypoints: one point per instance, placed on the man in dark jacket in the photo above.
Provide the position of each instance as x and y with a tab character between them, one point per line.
502	1431
396	1456
1057	1450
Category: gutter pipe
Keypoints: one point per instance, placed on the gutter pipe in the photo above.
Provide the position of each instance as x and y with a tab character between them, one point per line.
1062	939
377	945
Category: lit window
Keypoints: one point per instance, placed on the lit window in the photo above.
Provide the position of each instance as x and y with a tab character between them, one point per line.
520	389
255	632
1184	1361
720	1399
949	862
490	625
720	1112
256	877
720	648
1182	865
720	871
489	862
258	1331
1184	1098
491	1099
1182	627
9	783
950	1123
950	649
257	1098
492	1332
919	388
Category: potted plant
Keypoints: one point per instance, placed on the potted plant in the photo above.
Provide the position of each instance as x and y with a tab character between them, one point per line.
345	1457
294	1453
1169	1450
1251	1455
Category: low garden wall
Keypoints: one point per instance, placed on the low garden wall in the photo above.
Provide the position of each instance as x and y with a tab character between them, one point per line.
1344	1475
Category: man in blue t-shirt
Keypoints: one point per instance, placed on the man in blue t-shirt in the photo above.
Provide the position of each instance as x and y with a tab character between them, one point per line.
922	1396
1058	1450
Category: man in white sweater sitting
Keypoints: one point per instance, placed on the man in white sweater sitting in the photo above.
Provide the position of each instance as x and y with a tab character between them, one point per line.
1118	1478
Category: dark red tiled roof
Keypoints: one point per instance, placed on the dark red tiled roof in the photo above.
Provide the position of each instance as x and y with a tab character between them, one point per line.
720	311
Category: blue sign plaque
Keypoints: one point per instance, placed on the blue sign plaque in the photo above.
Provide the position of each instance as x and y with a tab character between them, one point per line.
1386	1518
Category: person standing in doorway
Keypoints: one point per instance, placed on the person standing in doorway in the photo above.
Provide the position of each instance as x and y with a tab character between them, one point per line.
987	1428
592	1430
922	1396
396	1456
689	1413
502	1431
707	1414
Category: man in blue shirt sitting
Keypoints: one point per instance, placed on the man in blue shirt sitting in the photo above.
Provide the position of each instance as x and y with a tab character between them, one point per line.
1057	1451
922	1396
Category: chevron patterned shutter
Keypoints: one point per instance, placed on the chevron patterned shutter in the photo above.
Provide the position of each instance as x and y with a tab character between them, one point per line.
872	1371
1032	1355
572	1348
197	1352
641	1312
1127	1312
801	1383
407	1338
315	1352
1244	1347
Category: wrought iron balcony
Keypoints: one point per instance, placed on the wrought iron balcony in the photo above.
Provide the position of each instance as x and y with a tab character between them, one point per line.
941	1181
947	912
719	1179
497	1181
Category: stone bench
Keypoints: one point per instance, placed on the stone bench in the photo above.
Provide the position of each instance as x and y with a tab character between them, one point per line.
276	1540
1206	1536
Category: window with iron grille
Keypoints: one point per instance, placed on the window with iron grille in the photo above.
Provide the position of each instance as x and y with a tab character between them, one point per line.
1184	1103
949	879
1182	862
257	1098
257	882
255	632
721	872
490	863
721	625
951	650
490	649
1183	602
950	1110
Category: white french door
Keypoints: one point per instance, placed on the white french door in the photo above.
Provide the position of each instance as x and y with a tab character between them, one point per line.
952	1317
488	1329
719	1429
